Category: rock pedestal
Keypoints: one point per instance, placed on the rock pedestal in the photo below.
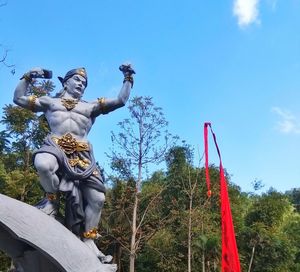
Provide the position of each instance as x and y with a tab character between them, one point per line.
38	243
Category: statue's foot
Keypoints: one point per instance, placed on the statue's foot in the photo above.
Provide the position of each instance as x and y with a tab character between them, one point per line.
106	259
48	207
92	246
111	267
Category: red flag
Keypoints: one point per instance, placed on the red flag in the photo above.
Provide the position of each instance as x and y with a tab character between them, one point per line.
230	256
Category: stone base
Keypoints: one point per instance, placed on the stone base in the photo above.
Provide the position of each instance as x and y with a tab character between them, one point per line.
38	243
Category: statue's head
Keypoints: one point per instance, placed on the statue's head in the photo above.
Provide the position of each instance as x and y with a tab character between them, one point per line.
74	82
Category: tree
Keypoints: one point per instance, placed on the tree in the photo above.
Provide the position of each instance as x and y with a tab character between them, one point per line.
294	196
143	140
266	247
179	163
292	230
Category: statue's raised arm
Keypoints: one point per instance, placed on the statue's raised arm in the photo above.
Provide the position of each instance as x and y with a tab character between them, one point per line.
106	105
21	95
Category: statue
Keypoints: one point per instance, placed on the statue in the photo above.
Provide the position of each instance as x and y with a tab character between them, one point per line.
65	163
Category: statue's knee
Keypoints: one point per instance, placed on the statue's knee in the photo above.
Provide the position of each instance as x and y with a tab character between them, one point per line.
98	200
44	165
101	198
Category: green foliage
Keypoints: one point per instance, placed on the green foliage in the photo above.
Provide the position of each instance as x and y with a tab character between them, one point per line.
4	141
40	88
26	131
260	223
263	237
294	196
115	223
23	186
116	219
5	262
292	230
269	209
26	128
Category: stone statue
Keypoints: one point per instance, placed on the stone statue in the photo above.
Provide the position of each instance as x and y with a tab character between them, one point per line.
65	163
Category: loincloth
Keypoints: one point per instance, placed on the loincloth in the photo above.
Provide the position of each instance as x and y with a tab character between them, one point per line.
77	171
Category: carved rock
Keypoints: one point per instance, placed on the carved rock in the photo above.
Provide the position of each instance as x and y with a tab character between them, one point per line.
38	243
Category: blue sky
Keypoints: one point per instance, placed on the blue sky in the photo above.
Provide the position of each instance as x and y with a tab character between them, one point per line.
235	63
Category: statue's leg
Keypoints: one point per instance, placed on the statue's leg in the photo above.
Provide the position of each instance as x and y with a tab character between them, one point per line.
95	201
46	164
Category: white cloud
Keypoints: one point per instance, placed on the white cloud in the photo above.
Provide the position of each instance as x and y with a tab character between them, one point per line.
288	123
246	11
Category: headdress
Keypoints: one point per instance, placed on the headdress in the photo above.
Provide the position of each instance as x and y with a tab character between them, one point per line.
78	71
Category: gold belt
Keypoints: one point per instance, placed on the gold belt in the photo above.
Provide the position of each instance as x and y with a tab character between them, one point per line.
69	144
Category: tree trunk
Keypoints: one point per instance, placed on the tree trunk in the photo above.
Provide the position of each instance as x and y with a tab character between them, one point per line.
133	244
190	235
118	255
133	235
208	266
251	260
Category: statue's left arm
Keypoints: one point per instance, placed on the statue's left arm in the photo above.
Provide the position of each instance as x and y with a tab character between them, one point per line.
106	105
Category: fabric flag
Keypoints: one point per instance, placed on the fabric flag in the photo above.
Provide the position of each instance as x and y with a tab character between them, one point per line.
230	257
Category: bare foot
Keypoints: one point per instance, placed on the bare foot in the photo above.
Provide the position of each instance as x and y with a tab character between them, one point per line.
106	259
111	267
92	246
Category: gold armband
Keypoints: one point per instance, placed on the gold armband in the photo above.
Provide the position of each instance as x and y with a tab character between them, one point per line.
101	102
32	100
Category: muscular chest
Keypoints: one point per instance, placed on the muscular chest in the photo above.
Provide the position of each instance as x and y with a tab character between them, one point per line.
61	111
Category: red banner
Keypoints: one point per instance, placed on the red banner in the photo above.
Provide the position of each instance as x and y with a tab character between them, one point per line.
230	257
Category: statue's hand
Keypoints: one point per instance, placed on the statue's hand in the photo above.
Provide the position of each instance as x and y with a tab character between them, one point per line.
39	73
126	69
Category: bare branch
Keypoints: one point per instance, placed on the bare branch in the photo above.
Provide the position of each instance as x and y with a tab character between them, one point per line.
157	251
122	244
148	206
127	217
4	57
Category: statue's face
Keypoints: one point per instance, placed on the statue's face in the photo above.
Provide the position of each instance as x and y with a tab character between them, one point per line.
75	86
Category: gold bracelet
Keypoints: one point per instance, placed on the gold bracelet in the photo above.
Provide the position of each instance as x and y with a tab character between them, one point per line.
32	100
101	102
130	79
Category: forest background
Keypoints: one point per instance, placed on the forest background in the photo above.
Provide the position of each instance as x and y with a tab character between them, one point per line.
160	220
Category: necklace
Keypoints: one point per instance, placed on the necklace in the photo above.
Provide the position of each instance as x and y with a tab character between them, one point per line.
69	103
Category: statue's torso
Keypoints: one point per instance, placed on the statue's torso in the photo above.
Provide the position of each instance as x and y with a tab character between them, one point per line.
77	121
